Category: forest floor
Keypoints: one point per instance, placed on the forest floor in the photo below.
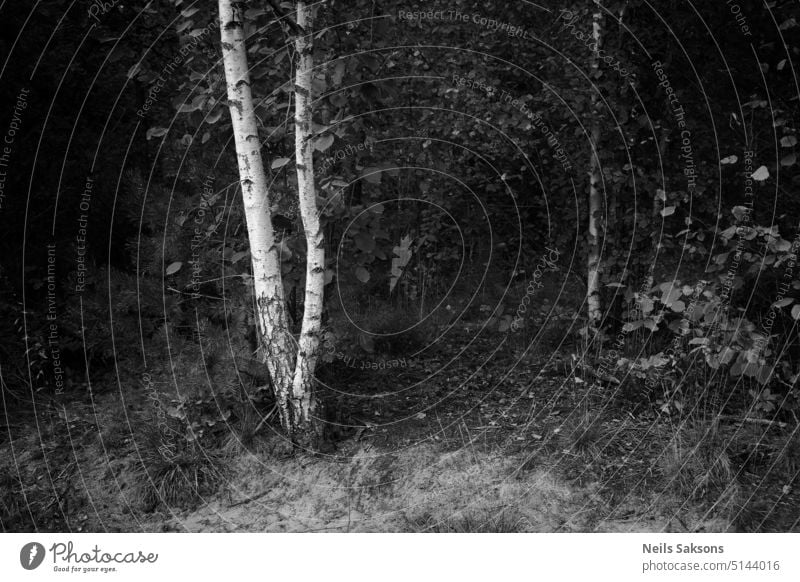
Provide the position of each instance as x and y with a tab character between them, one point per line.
506	441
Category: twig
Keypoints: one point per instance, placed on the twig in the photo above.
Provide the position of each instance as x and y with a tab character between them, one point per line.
263	420
255	497
349	511
755	420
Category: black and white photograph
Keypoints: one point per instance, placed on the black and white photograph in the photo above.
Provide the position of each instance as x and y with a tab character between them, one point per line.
394	267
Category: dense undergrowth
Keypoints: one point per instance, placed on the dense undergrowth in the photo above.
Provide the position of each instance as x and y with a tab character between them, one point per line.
698	449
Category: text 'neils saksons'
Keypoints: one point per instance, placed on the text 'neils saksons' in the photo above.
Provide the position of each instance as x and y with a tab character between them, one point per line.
663	548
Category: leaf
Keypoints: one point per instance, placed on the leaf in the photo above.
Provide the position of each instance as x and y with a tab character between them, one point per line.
788	141
236	257
661	195
367	342
796	312
783	302
372	175
728	233
760	174
279	163
504	324
727	354
184	25
729	160
156	132
362	274
762	375
176	412
645	303
338	73
134	70
782	245
323	143
338	99
174	268
194	105
285	252
403	256
668	211
365	242
654	361
670	295
788	160
214	116
740	212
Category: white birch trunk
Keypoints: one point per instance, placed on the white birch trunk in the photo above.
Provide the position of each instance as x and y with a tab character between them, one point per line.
595	202
276	343
302	400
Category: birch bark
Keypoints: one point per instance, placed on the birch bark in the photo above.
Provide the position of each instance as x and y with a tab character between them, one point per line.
595	200
276	345
302	400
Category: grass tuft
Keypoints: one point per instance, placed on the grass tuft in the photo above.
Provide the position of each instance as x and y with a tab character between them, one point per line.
697	462
587	434
481	520
179	478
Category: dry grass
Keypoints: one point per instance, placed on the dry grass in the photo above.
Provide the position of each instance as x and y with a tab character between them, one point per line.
789	455
12	510
420	488
697	467
586	434
178	480
482	520
697	462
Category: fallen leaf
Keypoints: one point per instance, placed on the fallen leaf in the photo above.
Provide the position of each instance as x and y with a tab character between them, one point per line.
760	174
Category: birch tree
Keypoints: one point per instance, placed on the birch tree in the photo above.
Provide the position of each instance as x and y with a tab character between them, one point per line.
595	202
291	366
302	400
